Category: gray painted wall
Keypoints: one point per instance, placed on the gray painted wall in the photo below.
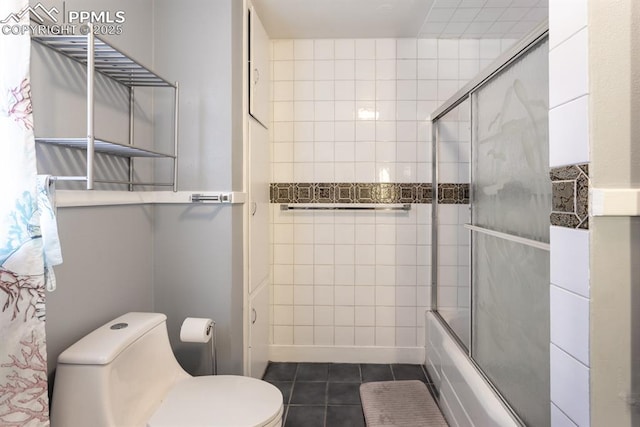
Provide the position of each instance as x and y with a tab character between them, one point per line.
106	271
177	259
614	104
107	251
193	267
198	249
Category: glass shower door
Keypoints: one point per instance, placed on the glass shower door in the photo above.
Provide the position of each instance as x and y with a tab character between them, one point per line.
454	151
511	202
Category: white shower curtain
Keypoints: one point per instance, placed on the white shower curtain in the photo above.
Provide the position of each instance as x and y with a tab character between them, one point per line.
23	356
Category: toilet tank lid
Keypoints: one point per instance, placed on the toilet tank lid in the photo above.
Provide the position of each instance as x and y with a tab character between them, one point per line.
103	345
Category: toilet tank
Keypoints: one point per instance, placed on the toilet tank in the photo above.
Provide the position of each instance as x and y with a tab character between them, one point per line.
115	376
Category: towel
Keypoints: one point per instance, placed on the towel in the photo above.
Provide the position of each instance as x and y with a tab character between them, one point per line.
52	251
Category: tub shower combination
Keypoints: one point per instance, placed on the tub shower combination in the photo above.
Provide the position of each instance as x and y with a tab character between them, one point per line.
487	344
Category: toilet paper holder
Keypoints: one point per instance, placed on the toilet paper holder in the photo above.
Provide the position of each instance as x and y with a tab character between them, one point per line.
198	330
214	356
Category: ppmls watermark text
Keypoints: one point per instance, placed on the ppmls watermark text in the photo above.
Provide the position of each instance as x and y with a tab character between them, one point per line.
39	20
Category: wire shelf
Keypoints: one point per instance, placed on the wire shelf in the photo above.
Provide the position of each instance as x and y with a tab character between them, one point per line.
105	147
109	60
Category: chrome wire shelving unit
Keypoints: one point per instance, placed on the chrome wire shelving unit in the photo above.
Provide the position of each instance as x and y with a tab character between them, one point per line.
101	57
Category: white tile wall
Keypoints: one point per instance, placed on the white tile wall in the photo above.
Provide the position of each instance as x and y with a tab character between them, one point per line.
570	259
355	274
355	111
569	133
559	419
570	386
570	323
568	83
568	69
566	17
568	145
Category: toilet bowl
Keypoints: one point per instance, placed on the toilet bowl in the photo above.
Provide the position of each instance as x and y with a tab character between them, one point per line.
124	374
244	402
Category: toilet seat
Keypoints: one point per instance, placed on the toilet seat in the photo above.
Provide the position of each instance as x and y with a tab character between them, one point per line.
221	400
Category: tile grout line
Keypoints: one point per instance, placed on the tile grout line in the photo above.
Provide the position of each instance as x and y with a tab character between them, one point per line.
325	413
293	383
430	385
326	399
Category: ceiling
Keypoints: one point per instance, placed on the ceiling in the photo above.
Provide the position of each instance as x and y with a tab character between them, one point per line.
400	18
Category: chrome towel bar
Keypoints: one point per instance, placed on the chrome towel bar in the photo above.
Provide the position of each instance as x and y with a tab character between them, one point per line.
345	207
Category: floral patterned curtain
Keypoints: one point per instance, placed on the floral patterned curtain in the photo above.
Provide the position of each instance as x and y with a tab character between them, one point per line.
23	357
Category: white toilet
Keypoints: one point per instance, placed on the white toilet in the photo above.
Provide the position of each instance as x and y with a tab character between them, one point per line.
124	374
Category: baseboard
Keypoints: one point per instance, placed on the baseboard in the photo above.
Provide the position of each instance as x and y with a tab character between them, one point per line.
325	354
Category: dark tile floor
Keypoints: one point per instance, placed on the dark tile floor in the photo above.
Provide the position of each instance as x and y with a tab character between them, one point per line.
328	394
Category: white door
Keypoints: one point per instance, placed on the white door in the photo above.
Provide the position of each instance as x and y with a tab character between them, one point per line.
258	206
259	76
259	332
258	174
259	248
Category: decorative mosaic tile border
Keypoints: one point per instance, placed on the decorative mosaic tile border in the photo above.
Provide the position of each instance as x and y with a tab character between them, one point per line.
570	205
367	193
453	194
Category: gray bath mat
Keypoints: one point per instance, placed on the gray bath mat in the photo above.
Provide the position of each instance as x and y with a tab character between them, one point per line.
399	404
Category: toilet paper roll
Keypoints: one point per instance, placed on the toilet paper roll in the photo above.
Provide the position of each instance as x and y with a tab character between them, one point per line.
196	329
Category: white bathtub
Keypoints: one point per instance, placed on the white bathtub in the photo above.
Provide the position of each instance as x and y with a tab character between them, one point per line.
466	399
